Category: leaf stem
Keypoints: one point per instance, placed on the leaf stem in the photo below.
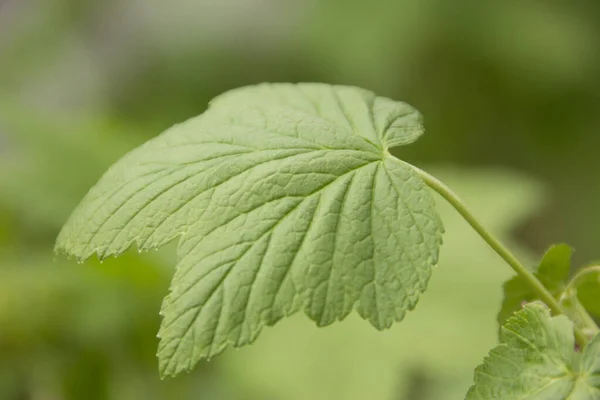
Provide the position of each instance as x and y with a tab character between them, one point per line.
499	248
589	326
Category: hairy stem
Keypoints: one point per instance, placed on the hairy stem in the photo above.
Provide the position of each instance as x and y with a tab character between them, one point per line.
499	248
589	326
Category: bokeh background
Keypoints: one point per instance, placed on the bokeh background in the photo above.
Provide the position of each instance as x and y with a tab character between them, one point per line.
511	95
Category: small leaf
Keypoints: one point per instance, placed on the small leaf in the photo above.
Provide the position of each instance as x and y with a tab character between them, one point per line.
588	289
556	264
284	198
536	360
553	272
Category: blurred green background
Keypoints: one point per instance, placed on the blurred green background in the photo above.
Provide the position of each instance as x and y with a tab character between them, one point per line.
510	91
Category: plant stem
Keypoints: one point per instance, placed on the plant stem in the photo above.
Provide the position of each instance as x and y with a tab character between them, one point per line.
589	326
535	284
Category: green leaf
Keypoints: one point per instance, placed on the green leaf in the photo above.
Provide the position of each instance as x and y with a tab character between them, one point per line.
553	272
536	360
284	198
588	288
352	361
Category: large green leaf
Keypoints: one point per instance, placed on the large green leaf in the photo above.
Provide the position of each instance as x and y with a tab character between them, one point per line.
285	198
537	360
454	327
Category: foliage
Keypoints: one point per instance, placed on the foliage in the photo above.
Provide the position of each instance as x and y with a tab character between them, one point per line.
553	272
536	359
286	198
286	195
507	85
431	354
124	299
577	295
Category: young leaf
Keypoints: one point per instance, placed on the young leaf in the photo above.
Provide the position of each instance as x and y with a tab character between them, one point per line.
536	360
553	272
588	288
285	198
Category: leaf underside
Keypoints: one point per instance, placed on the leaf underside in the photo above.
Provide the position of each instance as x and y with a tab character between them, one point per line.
284	197
536	360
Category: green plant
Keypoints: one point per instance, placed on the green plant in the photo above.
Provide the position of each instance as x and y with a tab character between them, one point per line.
285	197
